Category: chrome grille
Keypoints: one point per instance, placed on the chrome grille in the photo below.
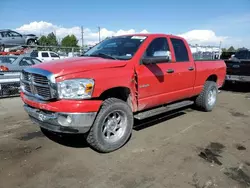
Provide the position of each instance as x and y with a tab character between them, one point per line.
36	84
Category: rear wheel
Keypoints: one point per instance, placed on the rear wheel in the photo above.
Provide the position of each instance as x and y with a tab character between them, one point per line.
2	48
208	97
112	127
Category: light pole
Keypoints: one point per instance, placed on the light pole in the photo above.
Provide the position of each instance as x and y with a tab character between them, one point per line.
99	31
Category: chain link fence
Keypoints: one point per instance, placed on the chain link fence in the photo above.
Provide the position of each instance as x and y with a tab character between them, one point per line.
14	60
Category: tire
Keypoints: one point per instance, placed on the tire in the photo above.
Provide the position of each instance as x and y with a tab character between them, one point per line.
2	48
102	139
203	101
31	42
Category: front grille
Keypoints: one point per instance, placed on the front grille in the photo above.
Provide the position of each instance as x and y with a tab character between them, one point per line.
36	85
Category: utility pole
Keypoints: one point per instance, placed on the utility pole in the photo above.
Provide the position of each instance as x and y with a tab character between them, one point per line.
82	37
99	31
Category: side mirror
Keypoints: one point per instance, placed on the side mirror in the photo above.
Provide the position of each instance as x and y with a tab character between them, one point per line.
158	57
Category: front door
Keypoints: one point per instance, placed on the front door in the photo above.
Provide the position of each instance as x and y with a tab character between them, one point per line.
155	80
16	38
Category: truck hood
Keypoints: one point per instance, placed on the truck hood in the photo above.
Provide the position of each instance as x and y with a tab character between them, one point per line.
78	64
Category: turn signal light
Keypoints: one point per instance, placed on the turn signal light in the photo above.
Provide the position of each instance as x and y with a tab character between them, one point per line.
3	68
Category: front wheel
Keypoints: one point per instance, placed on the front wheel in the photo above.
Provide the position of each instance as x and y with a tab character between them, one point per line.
31	42
208	97
112	127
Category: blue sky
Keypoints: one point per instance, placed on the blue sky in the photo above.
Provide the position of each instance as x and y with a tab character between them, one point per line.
225	18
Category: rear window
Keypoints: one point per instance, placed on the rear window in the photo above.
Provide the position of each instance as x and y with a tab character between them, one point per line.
180	50
34	54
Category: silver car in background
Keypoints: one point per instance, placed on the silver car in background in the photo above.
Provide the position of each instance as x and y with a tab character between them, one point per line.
10	69
9	38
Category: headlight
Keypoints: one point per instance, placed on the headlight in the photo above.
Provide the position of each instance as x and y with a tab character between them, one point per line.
75	89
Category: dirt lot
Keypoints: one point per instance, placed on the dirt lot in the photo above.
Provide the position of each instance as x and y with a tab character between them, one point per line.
186	149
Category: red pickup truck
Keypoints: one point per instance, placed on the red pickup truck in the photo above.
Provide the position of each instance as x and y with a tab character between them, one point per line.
118	80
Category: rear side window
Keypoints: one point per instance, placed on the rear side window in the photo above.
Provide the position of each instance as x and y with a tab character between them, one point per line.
45	54
180	50
26	62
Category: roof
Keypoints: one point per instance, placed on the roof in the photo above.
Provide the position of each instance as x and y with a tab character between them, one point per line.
5	30
152	35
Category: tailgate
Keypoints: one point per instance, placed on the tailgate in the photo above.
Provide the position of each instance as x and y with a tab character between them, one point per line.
241	67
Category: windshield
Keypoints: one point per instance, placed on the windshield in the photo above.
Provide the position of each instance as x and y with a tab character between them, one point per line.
6	59
242	54
123	47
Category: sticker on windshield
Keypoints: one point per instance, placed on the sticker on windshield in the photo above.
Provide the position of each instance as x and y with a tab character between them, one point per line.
128	55
138	37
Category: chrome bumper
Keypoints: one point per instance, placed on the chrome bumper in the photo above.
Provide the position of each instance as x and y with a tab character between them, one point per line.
61	122
238	78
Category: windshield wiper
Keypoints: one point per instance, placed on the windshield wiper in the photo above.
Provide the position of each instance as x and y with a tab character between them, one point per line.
102	55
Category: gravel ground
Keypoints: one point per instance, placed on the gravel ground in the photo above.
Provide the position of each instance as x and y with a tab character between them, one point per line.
185	148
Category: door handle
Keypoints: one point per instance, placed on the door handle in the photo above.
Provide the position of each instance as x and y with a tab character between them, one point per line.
191	68
170	70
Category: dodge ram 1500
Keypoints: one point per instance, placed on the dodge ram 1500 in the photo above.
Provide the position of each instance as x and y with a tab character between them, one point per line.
118	80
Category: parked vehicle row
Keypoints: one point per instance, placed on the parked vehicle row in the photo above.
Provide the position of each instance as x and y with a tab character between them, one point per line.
119	79
10	69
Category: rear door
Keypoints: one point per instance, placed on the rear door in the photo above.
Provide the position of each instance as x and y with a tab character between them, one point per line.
184	69
44	56
6	39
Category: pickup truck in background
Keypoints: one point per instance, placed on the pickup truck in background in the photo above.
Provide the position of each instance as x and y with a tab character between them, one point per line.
238	67
44	55
118	80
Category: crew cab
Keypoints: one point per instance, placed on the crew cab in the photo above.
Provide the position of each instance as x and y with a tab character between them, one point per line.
118	80
238	67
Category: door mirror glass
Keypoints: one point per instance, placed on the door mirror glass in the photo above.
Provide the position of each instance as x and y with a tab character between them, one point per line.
154	60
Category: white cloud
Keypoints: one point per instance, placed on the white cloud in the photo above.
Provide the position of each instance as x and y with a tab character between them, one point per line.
203	37
90	36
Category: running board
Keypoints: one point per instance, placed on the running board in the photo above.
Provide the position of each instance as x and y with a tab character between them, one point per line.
163	109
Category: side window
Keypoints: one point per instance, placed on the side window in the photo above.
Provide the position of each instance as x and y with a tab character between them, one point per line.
5	34
14	34
35	61
158	47
26	62
34	54
180	50
53	54
45	54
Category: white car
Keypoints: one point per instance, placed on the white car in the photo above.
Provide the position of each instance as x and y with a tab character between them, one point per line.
45	55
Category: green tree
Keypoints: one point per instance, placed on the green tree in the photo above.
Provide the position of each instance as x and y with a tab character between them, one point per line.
51	39
224	50
43	40
69	41
231	49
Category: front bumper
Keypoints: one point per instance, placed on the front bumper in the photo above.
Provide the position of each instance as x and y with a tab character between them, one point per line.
237	78
61	122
